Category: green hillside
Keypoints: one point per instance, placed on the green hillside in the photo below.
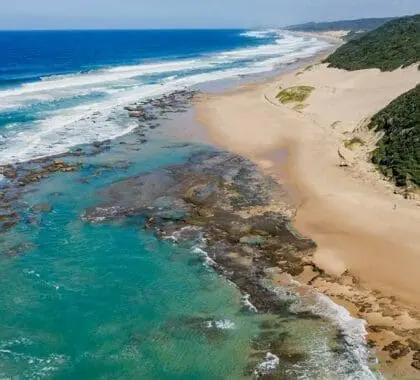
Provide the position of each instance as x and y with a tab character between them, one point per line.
398	152
365	24
393	45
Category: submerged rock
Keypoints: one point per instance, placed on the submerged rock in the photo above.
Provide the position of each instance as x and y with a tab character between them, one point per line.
42	207
18	250
155	108
214	180
212	328
8	219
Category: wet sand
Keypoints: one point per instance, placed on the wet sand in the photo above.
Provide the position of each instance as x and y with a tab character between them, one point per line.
368	237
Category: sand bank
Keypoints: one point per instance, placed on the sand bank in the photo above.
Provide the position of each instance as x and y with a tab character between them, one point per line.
368	237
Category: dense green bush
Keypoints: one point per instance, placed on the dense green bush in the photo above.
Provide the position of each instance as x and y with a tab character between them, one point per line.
398	152
393	45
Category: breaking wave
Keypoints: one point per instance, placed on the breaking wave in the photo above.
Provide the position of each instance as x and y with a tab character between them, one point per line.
356	357
86	106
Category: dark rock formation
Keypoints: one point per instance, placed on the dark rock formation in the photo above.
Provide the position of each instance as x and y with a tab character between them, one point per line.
397	349
156	108
416	364
414	345
15	177
204	198
215	204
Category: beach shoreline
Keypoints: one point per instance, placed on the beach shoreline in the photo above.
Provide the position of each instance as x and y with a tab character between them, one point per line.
365	233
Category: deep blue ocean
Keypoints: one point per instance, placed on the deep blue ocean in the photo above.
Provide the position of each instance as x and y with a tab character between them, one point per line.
30	56
111	301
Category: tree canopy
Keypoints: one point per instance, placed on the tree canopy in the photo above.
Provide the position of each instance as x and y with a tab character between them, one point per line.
394	44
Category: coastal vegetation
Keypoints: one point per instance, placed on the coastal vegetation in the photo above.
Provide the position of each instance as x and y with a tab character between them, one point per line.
359	25
296	94
398	152
393	45
307	68
354	142
299	107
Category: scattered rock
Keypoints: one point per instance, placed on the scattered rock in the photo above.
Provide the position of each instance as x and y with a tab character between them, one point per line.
397	349
8	219
414	345
416	364
137	114
130	108
155	108
8	172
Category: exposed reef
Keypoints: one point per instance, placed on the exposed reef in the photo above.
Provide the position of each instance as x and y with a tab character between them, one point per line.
217	204
14	177
219	198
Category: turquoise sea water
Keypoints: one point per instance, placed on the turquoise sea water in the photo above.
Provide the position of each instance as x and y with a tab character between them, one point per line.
111	301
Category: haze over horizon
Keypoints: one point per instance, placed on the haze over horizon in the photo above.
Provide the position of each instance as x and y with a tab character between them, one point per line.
110	14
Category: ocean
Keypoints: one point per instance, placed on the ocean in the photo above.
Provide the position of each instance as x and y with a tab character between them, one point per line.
53	83
111	300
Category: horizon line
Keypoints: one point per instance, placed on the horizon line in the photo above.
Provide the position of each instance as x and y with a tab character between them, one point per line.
134	29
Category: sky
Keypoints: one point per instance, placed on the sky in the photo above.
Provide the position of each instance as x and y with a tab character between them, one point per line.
139	14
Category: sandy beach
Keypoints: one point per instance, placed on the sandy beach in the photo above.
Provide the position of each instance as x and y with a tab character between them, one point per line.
367	233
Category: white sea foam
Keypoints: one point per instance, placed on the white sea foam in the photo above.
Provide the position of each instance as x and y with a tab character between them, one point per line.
190	233
357	355
222	324
104	76
259	33
57	131
247	303
39	367
286	45
14	342
268	366
207	259
353	332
